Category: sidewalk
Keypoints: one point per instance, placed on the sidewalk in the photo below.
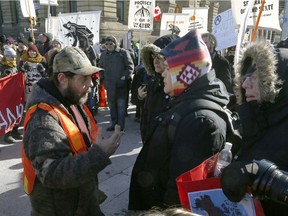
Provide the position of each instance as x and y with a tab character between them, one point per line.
114	180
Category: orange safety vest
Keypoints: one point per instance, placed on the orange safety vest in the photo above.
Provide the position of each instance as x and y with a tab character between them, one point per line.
73	133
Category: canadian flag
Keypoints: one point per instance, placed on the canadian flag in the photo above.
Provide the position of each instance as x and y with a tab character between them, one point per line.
157	13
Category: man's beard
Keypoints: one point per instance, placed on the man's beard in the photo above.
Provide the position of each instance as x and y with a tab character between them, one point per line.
72	98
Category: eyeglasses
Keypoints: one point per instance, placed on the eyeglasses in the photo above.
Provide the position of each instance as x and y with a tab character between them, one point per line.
109	44
158	56
250	76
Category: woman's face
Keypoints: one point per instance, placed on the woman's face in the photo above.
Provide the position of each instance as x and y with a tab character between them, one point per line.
158	62
167	80
250	83
32	53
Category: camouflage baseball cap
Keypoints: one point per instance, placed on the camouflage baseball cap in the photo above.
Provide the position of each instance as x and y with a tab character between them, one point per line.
74	60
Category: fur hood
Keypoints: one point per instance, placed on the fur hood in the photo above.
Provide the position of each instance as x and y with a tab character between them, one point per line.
147	59
264	57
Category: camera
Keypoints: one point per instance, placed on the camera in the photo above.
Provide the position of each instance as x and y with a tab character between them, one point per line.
270	182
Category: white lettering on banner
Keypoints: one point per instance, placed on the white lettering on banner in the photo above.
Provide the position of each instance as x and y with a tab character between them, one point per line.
11	117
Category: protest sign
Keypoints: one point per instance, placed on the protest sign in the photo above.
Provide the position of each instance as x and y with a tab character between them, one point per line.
175	23
198	18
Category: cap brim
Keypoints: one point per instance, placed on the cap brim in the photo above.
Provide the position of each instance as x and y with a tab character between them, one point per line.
87	70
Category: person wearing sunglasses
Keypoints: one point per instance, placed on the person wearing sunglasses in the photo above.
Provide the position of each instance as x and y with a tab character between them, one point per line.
262	96
118	67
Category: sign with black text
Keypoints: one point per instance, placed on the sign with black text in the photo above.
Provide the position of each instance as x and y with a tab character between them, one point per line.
141	15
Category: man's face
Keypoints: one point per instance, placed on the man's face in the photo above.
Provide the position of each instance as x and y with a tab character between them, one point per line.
110	46
77	89
158	62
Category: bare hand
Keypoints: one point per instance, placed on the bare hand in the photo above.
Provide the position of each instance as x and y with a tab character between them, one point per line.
109	145
142	92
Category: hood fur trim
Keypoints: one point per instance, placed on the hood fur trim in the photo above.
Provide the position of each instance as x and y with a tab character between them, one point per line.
264	57
146	57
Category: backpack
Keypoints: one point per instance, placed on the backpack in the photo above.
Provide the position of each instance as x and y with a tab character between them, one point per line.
231	118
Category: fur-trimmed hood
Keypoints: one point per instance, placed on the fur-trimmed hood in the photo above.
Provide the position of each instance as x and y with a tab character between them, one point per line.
146	56
264	57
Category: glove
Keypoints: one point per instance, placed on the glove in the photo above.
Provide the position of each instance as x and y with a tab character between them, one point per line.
235	180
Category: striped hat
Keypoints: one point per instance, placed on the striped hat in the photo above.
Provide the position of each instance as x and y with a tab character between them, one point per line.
188	59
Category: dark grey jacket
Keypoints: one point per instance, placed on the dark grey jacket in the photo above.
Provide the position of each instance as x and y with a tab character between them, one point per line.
198	136
65	184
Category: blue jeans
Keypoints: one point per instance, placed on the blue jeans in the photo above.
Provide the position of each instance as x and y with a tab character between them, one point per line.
117	104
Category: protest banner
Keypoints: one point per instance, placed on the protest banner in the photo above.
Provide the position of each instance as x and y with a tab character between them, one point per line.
269	17
141	15
224	30
198	18
68	27
12	102
174	23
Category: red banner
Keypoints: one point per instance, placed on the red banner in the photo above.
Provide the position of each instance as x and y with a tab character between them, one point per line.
12	99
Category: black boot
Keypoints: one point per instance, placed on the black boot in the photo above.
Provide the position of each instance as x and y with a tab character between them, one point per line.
15	134
8	138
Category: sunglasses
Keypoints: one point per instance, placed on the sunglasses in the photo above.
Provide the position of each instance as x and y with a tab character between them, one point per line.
158	56
109	44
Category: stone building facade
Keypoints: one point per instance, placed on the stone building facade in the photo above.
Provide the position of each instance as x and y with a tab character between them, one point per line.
114	15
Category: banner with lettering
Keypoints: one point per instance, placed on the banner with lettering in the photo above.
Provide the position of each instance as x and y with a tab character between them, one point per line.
12	102
69	27
198	18
269	17
141	15
174	23
224	30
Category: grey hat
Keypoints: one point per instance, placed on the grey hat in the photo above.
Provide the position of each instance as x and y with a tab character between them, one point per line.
74	60
111	38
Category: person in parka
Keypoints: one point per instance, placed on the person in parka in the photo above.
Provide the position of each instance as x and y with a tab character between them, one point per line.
63	150
153	92
262	97
199	134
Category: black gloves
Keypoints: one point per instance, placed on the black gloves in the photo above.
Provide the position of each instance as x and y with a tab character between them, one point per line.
236	178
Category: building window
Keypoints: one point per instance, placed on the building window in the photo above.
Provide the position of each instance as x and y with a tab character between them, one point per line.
1	15
73	6
120	10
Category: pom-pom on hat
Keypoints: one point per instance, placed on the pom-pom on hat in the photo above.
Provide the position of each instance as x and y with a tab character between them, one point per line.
9	52
188	59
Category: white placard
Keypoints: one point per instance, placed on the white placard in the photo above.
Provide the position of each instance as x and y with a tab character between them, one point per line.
174	22
27	8
269	17
224	30
198	18
67	27
141	14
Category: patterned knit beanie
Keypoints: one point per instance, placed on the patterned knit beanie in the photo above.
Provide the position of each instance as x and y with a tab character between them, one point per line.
188	59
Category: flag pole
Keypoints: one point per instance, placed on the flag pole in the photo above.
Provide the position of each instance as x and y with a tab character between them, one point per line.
257	21
31	21
140	46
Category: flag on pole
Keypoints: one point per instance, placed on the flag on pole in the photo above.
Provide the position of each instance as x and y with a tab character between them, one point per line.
27	8
157	13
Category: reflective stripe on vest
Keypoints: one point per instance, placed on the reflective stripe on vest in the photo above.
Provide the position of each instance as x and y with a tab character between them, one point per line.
76	141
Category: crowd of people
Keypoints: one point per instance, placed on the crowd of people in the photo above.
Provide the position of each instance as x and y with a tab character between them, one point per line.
64	150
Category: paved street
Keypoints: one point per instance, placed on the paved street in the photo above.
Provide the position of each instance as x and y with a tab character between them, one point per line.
114	180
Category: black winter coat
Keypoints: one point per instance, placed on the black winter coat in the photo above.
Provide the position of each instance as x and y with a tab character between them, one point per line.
198	136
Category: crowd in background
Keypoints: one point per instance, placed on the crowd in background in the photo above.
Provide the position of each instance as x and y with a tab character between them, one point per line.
255	89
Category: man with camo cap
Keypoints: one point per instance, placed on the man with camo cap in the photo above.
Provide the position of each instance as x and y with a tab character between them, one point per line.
61	152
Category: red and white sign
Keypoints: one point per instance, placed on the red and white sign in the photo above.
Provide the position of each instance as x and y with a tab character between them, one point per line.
12	102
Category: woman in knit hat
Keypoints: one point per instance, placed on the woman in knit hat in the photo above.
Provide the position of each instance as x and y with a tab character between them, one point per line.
33	64
172	149
7	68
